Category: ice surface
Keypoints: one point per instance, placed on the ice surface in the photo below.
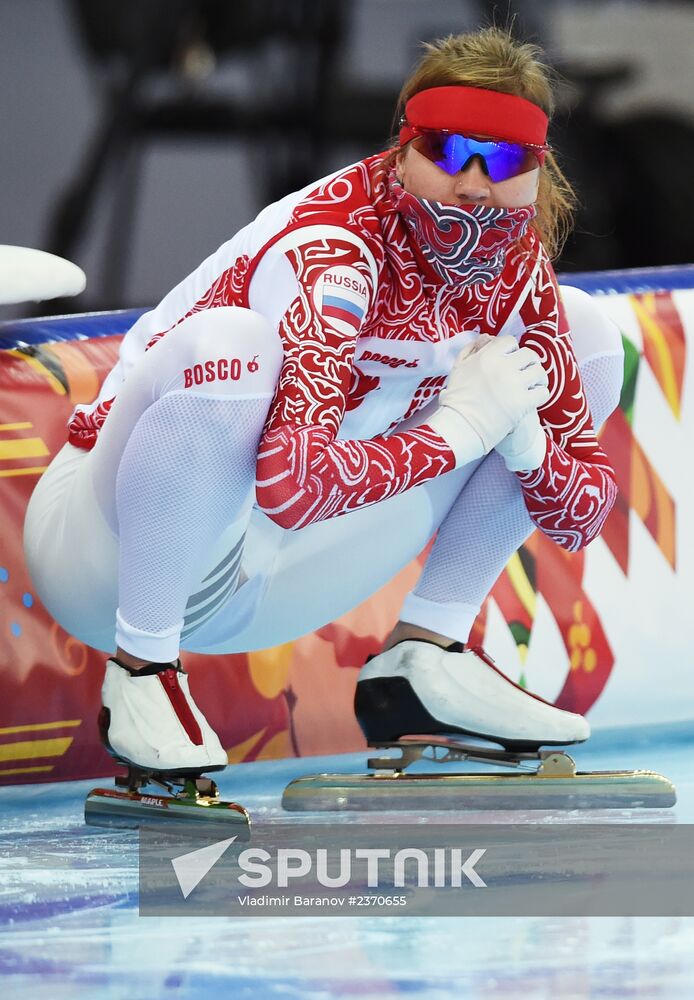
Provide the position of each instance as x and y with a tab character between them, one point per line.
69	923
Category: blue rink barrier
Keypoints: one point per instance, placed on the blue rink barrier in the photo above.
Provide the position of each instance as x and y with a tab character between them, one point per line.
636	281
24	332
53	329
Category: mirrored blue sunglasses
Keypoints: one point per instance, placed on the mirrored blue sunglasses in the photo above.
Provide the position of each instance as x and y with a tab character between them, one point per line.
452	151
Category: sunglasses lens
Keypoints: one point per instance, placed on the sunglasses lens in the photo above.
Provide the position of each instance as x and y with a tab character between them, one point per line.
432	145
452	152
510	160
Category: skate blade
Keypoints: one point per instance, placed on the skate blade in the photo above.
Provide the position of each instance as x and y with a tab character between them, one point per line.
108	807
484	791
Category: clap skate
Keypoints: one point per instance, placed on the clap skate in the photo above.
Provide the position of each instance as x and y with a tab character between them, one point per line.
188	749
189	798
466	710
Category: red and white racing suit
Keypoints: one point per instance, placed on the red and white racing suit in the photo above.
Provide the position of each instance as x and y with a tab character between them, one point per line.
365	337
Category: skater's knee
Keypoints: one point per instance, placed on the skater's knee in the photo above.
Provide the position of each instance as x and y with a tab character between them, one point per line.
598	346
592	331
226	351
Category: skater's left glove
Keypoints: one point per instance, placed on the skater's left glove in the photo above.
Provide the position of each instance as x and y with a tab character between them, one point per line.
523	450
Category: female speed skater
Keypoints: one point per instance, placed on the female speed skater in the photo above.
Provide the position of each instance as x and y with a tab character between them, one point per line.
380	357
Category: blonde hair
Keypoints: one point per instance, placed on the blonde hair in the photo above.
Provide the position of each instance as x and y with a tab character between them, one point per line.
494	60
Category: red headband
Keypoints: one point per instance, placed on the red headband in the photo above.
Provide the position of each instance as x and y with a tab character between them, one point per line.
477	112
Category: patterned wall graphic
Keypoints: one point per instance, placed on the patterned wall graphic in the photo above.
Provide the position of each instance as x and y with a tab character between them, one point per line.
541	568
549	606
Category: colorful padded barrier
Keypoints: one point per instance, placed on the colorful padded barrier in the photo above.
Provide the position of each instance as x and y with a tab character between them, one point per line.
605	631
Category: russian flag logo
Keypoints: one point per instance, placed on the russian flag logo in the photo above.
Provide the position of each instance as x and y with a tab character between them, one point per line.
338	305
341	296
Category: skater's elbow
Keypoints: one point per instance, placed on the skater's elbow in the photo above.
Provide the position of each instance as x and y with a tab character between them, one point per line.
287	521
574	530
286	508
286	489
568	538
571	541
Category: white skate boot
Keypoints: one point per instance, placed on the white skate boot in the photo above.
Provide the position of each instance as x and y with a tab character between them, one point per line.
424	703
418	687
150	724
150	721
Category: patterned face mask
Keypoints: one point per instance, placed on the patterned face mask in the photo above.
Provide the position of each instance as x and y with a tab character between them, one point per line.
466	244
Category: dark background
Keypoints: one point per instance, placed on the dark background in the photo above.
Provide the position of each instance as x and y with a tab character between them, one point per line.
138	135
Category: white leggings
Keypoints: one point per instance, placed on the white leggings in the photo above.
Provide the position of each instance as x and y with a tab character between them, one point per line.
151	540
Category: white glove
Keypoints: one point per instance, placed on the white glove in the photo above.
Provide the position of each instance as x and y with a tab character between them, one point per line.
494	383
523	450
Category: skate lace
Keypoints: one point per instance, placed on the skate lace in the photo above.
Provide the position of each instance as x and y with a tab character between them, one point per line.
179	703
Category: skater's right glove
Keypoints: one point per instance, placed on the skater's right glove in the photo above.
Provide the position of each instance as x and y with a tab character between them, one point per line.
523	450
494	383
